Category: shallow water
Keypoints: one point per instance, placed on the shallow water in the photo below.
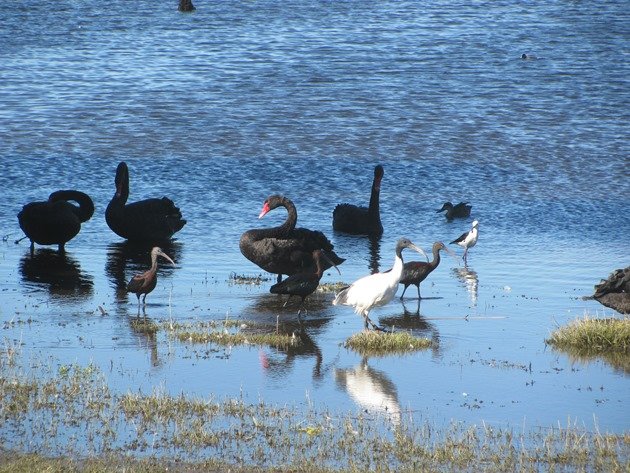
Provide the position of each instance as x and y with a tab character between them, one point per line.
220	108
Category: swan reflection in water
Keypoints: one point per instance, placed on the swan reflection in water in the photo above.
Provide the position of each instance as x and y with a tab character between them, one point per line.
58	272
375	254
469	279
125	259
371	389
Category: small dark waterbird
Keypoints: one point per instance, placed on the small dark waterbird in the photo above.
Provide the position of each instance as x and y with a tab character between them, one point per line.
376	289
414	272
150	220
469	239
285	249
144	283
461	210
55	221
360	220
303	284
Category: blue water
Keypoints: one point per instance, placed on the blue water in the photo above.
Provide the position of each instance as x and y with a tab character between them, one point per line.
220	108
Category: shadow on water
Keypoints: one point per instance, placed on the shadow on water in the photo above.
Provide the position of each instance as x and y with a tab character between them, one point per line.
125	259
470	281
58	272
270	309
347	244
144	331
371	389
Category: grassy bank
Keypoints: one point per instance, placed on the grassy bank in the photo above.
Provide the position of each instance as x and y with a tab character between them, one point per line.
72	417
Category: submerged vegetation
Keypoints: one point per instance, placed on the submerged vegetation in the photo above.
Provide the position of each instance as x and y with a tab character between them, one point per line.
230	332
587	338
373	343
71	416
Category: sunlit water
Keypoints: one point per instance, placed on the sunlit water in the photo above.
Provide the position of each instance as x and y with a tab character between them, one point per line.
239	100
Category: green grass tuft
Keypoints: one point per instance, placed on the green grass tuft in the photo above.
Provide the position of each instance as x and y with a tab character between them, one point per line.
382	343
593	335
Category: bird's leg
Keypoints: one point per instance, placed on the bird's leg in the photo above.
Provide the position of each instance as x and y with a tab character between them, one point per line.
62	248
419	297
144	300
401	296
32	247
279	278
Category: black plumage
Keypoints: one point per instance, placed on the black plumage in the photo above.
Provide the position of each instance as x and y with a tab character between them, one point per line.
285	249
150	220
361	220
461	210
304	283
55	221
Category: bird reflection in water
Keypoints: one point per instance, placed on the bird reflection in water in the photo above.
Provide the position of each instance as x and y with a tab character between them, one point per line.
412	320
145	332
280	362
124	259
469	279
58	272
371	389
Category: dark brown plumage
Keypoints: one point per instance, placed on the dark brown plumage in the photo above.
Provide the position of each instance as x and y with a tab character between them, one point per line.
461	210
360	220
145	282
414	272
285	249
55	221
150	220
303	284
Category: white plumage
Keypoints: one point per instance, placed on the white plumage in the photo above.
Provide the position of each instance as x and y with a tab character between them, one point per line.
376	289
469	239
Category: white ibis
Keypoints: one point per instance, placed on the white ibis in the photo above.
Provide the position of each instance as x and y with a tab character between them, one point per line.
145	282
149	220
461	210
414	272
376	289
360	220
55	221
469	239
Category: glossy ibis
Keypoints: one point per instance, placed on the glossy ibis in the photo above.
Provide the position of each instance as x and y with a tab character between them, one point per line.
414	272
145	282
303	284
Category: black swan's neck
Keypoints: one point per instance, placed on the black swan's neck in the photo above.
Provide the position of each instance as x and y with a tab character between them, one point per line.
86	206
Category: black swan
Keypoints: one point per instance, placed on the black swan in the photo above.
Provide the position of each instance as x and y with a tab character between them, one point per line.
360	220
55	221
152	220
414	272
461	210
285	249
145	282
376	289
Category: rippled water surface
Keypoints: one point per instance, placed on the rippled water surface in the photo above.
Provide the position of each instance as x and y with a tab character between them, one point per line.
220	108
